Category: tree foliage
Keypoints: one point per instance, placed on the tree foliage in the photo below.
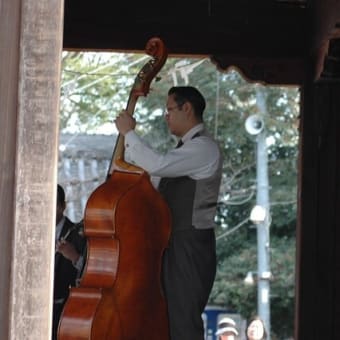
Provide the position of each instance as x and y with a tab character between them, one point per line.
96	86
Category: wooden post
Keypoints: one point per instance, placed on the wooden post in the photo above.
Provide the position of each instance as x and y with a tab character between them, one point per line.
30	62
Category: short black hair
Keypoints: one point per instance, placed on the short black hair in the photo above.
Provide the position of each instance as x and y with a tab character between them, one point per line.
60	194
189	94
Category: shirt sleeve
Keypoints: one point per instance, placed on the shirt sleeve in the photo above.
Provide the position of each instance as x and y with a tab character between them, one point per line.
79	263
198	158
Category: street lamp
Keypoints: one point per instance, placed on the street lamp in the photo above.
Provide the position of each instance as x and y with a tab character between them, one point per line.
260	216
249	279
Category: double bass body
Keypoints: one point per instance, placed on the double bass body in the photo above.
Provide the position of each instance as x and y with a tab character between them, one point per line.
127	225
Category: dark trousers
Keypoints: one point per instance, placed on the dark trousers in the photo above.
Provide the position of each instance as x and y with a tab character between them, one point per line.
57	310
189	268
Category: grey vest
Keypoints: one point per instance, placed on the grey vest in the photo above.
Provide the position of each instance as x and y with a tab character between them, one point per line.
192	202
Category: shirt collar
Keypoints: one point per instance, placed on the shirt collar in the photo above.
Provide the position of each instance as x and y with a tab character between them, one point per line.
192	132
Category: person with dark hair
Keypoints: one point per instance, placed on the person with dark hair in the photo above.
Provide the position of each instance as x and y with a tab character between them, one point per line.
256	329
68	262
190	178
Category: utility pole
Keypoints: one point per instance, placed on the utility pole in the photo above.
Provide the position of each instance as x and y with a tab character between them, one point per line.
260	216
263	238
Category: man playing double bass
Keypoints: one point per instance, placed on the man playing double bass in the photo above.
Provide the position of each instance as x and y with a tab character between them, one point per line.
190	178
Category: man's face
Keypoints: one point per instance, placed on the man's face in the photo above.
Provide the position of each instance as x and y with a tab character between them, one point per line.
175	117
227	336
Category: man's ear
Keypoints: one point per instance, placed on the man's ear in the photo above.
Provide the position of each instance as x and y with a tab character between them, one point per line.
186	106
188	109
190	113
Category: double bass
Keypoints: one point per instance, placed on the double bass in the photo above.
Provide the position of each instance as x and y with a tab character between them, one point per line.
127	225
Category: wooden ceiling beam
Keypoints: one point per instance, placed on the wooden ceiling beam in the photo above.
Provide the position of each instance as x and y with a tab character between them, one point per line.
250	34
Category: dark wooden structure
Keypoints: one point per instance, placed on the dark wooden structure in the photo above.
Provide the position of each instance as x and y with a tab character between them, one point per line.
273	41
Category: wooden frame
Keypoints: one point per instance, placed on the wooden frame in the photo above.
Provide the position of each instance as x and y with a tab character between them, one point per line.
30	53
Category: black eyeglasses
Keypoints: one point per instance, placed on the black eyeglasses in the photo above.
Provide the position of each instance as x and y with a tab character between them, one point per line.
167	110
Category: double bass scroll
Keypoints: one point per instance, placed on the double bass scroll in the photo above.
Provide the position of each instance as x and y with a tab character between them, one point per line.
127	225
155	48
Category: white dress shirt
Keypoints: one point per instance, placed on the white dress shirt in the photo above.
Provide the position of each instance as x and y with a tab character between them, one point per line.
77	264
197	158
